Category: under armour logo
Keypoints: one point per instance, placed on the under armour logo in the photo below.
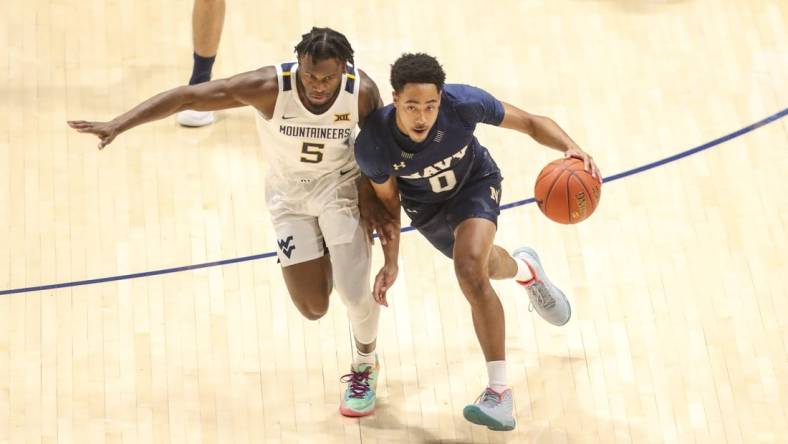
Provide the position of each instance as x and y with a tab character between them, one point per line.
495	194
439	136
397	166
285	246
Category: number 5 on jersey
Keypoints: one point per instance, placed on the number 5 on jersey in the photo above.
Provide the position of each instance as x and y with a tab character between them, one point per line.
311	152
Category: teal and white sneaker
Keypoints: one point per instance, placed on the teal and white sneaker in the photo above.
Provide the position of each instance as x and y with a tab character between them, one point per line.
547	299
492	409
359	397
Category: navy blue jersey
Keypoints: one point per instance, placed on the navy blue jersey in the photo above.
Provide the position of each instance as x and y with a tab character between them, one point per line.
433	170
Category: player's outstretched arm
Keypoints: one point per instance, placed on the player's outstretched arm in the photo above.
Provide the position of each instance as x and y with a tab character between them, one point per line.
545	131
251	88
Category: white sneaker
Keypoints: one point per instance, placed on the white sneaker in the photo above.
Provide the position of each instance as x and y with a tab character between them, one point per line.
492	409
547	299
194	118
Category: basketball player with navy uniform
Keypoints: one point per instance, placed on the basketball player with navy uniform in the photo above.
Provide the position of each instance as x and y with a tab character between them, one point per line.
421	151
306	111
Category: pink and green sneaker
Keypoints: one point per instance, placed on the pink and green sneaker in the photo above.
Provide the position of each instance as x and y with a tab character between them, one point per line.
359	397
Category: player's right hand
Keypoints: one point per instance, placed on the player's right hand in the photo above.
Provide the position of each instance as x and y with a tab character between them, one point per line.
105	131
383	281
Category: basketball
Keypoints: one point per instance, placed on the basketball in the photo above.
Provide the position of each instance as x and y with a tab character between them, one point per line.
565	192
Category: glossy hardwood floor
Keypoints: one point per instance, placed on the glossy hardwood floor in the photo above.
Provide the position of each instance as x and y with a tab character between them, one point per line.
678	282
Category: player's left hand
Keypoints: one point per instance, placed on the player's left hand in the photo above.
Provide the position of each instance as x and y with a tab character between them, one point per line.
383	281
588	161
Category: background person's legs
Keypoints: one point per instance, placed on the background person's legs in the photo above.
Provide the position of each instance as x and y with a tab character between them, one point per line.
207	24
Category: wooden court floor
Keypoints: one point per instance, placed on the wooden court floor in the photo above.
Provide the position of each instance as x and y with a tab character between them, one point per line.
679	281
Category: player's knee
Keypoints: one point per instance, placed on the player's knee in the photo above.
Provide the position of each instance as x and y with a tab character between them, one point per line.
313	306
208	3
470	264
471	274
313	312
314	315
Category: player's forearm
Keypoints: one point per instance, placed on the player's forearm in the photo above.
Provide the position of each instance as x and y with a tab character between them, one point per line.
155	108
391	251
391	247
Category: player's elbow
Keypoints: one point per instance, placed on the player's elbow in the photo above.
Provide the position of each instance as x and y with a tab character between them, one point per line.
184	96
517	119
527	122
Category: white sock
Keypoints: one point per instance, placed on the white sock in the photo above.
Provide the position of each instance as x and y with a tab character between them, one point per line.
364	328
523	272
496	372
363	358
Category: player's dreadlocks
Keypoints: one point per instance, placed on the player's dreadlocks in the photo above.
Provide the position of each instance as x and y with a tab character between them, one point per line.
325	43
416	68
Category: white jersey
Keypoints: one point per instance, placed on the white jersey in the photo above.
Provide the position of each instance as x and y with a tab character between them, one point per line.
303	146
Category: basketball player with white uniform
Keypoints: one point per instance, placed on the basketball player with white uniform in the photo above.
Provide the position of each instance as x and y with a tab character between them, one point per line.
306	112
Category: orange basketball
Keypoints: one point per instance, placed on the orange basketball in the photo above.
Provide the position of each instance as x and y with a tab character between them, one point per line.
565	192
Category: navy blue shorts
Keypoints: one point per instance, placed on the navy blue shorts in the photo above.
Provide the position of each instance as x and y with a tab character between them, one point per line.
437	221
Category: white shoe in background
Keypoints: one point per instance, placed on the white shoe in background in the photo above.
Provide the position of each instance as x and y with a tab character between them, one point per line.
194	118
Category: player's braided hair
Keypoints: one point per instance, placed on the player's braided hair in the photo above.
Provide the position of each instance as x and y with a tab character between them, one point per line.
325	43
416	68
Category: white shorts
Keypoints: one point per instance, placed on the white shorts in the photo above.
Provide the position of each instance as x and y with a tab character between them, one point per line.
309	216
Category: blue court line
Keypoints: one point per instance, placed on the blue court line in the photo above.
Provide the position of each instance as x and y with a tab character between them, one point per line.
621	175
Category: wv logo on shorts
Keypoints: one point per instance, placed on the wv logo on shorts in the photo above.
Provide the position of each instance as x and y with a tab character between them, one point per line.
284	245
343	117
